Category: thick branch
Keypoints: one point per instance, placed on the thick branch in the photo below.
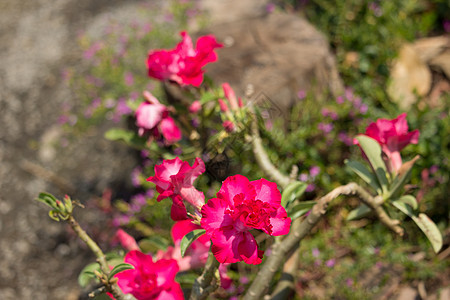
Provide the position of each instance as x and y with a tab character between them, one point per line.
202	286
263	160
300	229
111	287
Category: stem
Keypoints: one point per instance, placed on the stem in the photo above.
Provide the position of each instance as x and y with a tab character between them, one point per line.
202	286
113	288
300	229
263	159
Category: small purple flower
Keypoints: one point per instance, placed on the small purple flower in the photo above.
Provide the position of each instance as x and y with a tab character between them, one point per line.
177	151
195	122
150	193
349	282
301	94
135	174
325	127
325	112
311	187
129	79
330	263
244	279
340	100
315	252
303	177
349	94
121	109
363	108
120	220
92	50
145	153
270	8
434	169
343	137
314	171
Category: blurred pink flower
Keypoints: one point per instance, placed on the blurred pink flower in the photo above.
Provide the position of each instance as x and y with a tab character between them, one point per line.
195	107
184	63
149	280
153	117
393	136
242	205
175	178
126	241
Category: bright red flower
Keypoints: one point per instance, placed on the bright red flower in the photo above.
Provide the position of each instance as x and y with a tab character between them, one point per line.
184	63
393	136
153	117
175	178
150	280
242	205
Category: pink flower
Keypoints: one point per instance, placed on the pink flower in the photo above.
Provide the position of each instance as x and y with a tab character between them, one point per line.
197	253
126	240
195	107
153	117
184	63
242	205
228	126
149	280
174	178
393	136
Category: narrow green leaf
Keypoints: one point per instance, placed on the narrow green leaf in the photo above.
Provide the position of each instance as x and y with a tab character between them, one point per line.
119	268
359	212
294	190
373	152
410	200
189	238
129	137
300	209
87	274
424	223
402	178
54	214
47	199
365	174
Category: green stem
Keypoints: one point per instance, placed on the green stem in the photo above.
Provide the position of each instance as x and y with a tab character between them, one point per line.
202	286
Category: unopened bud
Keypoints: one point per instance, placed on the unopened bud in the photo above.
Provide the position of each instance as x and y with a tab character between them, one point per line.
195	107
228	125
223	105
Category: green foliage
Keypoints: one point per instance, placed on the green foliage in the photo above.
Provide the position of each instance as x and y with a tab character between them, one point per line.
189	238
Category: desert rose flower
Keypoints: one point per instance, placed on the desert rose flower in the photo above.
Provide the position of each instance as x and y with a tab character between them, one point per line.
393	136
195	255
242	205
149	280
183	64
174	178
153	117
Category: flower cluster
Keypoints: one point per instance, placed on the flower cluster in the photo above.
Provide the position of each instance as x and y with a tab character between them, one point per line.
393	136
175	178
153	117
183	64
242	205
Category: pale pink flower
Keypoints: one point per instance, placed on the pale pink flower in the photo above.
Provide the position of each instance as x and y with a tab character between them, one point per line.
174	178
241	206
183	64
153	117
195	107
393	136
149	280
126	241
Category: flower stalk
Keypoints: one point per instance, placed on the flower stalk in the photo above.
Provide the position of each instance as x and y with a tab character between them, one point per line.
204	285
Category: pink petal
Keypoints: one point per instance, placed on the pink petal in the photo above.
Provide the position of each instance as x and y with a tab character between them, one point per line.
174	293
230	246
229	94
149	115
178	211
213	215
180	229
126	240
281	224
235	185
267	191
165	269
170	130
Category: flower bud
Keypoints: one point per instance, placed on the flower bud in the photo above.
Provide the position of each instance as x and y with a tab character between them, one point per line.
195	107
223	105
228	125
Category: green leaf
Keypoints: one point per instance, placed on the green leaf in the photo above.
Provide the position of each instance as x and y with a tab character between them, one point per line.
424	223
119	268
359	212
54	214
410	200
373	152
156	241
293	191
87	274
48	199
187	240
365	174
300	209
402	177
129	137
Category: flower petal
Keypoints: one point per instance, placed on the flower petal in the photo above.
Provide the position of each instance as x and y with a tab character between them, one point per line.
235	185
267	191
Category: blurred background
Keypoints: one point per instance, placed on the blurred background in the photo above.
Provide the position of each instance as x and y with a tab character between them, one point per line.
69	69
